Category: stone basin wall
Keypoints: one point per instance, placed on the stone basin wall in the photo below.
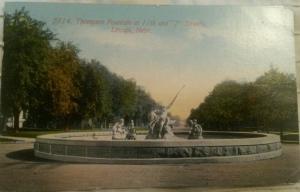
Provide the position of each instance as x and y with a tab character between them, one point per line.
254	147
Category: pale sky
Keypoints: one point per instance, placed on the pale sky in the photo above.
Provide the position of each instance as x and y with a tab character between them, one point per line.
225	42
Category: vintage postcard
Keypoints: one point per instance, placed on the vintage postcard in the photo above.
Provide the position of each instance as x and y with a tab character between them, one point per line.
129	91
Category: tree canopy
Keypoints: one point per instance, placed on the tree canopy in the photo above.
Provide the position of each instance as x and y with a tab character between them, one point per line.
26	43
46	79
270	102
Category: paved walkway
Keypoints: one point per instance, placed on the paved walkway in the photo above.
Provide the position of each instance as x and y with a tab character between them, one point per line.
21	171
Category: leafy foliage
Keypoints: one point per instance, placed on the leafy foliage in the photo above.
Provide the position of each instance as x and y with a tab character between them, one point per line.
270	102
26	44
60	84
46	79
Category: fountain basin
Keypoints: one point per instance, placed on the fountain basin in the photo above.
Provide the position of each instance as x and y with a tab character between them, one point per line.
97	147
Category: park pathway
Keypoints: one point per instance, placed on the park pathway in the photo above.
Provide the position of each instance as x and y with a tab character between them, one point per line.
21	171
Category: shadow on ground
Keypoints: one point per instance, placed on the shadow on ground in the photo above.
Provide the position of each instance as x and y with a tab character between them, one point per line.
26	155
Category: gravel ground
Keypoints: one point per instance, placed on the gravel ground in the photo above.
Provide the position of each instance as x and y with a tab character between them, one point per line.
21	171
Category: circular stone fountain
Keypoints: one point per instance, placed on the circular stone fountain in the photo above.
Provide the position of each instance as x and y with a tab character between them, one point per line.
160	145
98	147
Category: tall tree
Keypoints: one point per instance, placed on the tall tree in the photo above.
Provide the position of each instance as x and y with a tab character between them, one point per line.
96	100
277	104
26	43
223	107
61	82
144	105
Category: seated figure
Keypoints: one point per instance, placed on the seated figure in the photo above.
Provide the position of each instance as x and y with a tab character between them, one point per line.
131	134
196	130
118	130
167	132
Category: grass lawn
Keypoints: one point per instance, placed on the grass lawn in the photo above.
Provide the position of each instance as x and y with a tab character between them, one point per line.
291	137
3	140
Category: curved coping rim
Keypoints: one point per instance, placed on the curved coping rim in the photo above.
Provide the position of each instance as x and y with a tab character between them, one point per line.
261	138
213	159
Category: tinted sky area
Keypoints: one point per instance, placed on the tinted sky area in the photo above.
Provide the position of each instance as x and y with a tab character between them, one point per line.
165	47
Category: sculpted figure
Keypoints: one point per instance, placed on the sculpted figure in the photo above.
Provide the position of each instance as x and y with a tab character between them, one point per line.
196	130
160	126
118	130
166	132
153	119
163	121
131	134
158	122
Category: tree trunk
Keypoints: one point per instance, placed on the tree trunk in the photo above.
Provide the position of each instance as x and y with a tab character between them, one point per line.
3	124
66	123
16	120
281	132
